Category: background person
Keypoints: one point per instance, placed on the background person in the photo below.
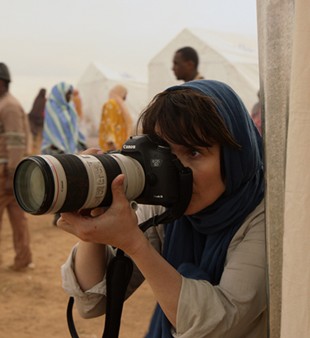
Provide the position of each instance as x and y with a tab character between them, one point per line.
207	268
36	120
77	101
61	133
256	114
116	122
14	138
185	64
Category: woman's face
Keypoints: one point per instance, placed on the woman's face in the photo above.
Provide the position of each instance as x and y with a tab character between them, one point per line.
208	185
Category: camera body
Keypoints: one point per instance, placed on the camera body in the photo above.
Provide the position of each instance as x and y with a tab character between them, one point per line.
49	184
159	167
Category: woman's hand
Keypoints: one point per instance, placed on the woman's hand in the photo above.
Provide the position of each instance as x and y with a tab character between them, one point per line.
116	226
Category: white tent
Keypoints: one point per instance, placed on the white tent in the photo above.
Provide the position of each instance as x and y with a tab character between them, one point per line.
226	57
94	86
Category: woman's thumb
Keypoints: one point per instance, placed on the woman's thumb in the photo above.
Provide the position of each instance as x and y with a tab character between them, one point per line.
118	186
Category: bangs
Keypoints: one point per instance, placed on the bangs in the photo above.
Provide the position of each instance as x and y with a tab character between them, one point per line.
179	128
185	117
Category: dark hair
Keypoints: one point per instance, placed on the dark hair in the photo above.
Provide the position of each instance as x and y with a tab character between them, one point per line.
186	117
189	54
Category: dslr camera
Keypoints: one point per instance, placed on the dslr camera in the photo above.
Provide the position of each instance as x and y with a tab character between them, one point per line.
61	183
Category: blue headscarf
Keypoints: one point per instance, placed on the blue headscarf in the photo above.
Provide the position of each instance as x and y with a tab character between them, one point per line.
61	128
197	245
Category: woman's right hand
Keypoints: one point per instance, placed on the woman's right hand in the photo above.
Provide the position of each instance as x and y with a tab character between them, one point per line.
116	225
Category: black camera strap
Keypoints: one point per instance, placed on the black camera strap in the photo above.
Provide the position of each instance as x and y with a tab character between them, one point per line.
118	275
120	268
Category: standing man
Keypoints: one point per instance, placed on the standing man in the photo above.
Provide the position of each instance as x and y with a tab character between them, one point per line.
185	64
14	137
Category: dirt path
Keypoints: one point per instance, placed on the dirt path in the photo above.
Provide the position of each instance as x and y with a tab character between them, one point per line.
33	303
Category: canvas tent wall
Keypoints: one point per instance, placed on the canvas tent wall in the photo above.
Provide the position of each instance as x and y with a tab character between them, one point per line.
94	86
226	57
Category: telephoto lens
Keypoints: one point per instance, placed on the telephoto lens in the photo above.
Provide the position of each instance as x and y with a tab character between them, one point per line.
60	183
49	184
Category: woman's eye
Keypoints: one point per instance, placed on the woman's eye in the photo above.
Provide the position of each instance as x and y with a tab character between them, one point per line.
194	152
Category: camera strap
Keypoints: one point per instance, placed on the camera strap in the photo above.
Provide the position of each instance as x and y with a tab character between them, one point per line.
118	275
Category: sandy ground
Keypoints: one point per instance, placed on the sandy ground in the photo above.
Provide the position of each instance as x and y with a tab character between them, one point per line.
33	303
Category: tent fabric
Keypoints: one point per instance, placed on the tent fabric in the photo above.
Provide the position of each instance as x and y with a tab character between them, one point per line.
283	31
227	57
296	253
274	64
94	86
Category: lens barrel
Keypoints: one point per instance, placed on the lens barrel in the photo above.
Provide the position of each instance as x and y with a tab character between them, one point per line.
49	184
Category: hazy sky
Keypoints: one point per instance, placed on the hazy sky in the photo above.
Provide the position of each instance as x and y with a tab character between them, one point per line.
43	41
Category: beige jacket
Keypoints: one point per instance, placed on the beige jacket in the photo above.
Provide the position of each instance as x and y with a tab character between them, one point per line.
236	308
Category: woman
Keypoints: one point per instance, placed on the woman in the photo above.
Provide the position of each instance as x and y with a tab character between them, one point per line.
207	268
36	119
61	134
116	122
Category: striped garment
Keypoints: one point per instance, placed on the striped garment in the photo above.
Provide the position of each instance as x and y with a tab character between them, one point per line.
61	130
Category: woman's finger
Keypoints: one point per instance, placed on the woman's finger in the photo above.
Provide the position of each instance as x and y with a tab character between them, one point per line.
118	192
92	150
